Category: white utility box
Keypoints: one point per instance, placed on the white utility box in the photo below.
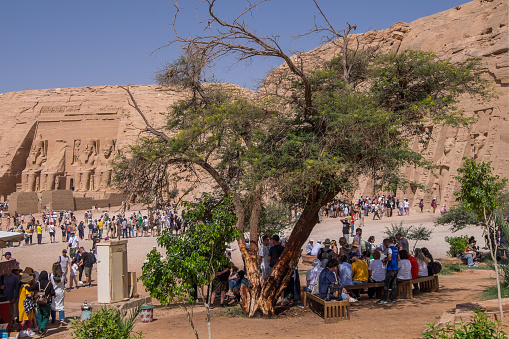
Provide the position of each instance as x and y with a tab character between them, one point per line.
112	278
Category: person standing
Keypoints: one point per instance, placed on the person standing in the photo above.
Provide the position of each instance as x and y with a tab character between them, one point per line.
43	310
275	252
421	204
391	275
73	244
64	260
10	290
51	231
88	264
39	233
346	229
25	315
81	230
402	242
57	303
263	258
434	204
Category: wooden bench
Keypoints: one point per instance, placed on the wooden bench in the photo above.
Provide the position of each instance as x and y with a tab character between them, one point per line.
330	311
308	259
405	291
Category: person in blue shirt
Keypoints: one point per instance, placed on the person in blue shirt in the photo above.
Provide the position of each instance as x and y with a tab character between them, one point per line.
345	271
391	259
328	277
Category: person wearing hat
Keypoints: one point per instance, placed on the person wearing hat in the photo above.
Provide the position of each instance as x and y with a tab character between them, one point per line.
73	244
326	252
309	246
359	272
43	285
25	318
10	290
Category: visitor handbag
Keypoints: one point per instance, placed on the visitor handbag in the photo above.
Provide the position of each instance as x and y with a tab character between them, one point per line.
334	289
42	298
435	267
29	305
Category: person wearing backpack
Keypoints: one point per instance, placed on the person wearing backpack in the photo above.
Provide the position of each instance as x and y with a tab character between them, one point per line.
45	293
325	252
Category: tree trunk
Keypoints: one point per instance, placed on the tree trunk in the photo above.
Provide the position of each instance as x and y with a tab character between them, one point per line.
262	299
493	252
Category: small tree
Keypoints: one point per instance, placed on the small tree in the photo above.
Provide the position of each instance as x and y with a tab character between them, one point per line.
192	258
480	192
420	233
458	217
411	232
395	228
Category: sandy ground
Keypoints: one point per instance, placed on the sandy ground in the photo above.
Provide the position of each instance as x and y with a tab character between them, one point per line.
368	319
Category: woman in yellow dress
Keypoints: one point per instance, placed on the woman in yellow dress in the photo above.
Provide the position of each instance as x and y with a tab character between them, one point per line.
24	318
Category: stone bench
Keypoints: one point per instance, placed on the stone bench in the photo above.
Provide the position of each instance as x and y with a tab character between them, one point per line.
426	284
330	311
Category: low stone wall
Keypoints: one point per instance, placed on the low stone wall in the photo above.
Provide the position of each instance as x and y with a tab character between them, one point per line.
59	200
23	202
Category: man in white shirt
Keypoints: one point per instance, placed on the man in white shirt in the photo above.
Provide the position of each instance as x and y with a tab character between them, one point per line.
263	260
73	244
316	248
65	263
309	247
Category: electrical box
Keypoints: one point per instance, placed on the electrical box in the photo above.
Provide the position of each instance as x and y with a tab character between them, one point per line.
112	277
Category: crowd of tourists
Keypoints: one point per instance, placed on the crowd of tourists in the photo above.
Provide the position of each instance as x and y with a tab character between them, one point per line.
93	226
377	207
35	298
343	263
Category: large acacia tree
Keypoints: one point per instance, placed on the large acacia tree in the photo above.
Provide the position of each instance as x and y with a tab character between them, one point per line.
337	120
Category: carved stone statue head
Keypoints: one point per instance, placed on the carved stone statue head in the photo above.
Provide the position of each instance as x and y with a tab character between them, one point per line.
37	147
449	145
108	148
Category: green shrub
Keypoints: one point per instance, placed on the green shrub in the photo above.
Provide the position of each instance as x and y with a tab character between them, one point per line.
107	324
457	244
479	327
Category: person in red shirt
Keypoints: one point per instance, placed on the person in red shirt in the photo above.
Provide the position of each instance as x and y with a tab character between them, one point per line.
415	266
414	270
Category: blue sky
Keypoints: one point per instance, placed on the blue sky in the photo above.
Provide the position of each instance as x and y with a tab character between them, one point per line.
73	43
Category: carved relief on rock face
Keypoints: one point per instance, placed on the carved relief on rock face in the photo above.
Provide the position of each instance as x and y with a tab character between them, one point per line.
445	165
102	178
86	166
76	152
477	143
54	168
30	180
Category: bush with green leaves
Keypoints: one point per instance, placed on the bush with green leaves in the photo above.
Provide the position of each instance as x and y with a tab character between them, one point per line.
395	228
107	324
192	258
480	326
411	232
457	244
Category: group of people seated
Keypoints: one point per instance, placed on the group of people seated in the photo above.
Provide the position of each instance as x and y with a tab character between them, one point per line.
339	266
